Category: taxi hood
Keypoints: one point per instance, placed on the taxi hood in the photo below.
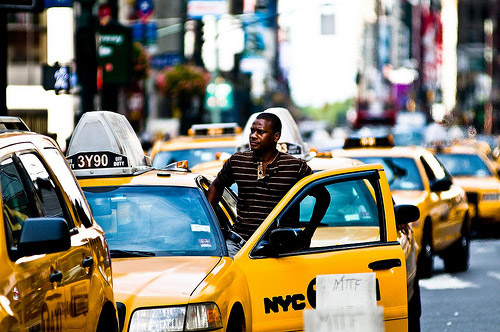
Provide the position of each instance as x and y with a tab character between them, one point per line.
477	184
160	280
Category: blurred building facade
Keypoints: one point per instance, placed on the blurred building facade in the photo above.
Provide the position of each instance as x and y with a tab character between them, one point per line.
478	80
393	51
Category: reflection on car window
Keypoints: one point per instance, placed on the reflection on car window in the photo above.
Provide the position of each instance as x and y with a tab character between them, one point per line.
352	215
71	187
402	173
193	156
464	165
163	221
15	199
47	196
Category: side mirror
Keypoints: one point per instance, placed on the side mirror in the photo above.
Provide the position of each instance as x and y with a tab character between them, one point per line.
441	184
406	214
280	240
43	236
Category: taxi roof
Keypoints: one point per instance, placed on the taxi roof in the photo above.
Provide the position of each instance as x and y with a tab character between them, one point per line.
319	163
151	177
187	142
396	151
458	149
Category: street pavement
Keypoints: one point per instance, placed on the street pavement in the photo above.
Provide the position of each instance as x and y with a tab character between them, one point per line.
468	301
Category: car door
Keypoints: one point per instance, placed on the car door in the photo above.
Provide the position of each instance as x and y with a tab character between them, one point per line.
356	234
70	298
448	212
31	276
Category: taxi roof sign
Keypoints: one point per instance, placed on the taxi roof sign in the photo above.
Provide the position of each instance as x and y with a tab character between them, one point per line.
290	141
104	143
214	129
369	142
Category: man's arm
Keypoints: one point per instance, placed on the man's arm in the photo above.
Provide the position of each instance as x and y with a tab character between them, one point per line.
214	193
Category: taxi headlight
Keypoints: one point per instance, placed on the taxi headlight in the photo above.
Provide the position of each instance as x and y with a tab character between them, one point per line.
197	317
491	197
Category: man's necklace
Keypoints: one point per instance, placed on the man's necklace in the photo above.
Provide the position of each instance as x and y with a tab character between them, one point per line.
260	167
260	170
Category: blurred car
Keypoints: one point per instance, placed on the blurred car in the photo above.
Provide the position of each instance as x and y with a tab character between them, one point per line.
205	142
417	177
374	113
474	172
56	270
173	257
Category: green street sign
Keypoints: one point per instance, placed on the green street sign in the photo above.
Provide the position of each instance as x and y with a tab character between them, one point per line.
115	54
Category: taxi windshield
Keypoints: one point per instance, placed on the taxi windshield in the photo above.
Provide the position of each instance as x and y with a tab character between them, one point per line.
193	156
464	165
402	173
154	221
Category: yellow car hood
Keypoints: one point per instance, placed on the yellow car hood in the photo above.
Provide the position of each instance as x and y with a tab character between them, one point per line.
477	184
159	280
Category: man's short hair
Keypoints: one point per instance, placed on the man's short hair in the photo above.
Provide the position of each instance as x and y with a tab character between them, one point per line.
273	119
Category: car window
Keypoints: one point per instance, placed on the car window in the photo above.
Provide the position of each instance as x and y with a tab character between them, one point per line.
353	215
464	165
433	168
193	156
70	186
229	197
154	220
402	173
47	196
17	205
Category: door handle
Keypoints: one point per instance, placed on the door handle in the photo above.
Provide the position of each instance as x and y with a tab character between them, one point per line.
385	264
88	262
56	276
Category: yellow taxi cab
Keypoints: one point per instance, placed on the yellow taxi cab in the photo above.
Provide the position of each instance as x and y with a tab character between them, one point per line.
291	141
56	269
473	171
417	177
205	142
173	260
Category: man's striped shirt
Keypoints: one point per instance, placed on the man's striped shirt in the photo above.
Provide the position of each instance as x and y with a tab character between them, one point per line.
257	198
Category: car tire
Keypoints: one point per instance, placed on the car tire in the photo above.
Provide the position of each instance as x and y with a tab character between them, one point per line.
236	322
425	258
456	258
414	309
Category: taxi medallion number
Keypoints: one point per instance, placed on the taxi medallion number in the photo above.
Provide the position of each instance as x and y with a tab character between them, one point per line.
97	160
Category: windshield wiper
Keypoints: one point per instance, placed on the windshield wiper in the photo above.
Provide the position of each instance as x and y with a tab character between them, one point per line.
116	253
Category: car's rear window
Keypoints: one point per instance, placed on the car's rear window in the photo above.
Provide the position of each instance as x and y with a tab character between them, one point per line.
154	221
402	173
464	165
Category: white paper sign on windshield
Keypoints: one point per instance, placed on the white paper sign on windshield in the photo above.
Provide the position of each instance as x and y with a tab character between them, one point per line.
353	290
344	320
